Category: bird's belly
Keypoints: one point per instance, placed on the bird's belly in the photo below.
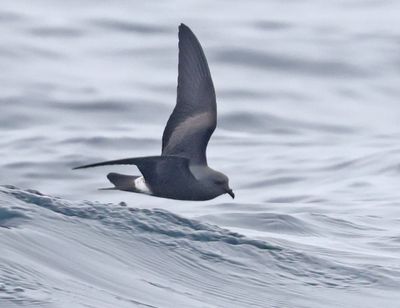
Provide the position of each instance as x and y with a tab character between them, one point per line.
141	186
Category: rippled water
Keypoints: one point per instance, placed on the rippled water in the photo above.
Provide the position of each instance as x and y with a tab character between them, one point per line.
308	133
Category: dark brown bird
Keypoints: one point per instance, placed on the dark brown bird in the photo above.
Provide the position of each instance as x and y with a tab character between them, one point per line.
181	172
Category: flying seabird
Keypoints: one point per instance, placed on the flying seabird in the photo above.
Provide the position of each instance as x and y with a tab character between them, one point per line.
181	172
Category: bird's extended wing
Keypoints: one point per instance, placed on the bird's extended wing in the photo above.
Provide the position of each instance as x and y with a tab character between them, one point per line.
166	175
194	118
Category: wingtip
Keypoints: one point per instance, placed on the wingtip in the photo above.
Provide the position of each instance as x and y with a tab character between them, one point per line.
80	167
84	166
184	29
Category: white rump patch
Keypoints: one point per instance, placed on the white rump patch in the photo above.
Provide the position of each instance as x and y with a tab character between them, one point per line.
141	185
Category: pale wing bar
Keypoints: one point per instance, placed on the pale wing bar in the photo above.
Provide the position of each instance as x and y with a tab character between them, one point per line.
195	101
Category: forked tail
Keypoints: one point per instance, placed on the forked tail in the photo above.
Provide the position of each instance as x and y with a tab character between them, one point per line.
123	182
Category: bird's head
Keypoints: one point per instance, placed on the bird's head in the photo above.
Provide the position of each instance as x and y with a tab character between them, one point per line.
221	182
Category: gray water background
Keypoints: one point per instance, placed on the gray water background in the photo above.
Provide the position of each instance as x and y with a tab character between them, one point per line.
308	134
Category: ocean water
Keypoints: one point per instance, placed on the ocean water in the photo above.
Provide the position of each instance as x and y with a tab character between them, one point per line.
308	101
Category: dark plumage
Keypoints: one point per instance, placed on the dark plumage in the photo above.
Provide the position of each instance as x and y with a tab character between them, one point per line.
181	172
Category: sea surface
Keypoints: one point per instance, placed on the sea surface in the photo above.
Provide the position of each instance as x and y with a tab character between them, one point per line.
308	133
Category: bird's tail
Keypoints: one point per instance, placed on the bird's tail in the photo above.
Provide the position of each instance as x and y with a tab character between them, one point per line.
123	182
